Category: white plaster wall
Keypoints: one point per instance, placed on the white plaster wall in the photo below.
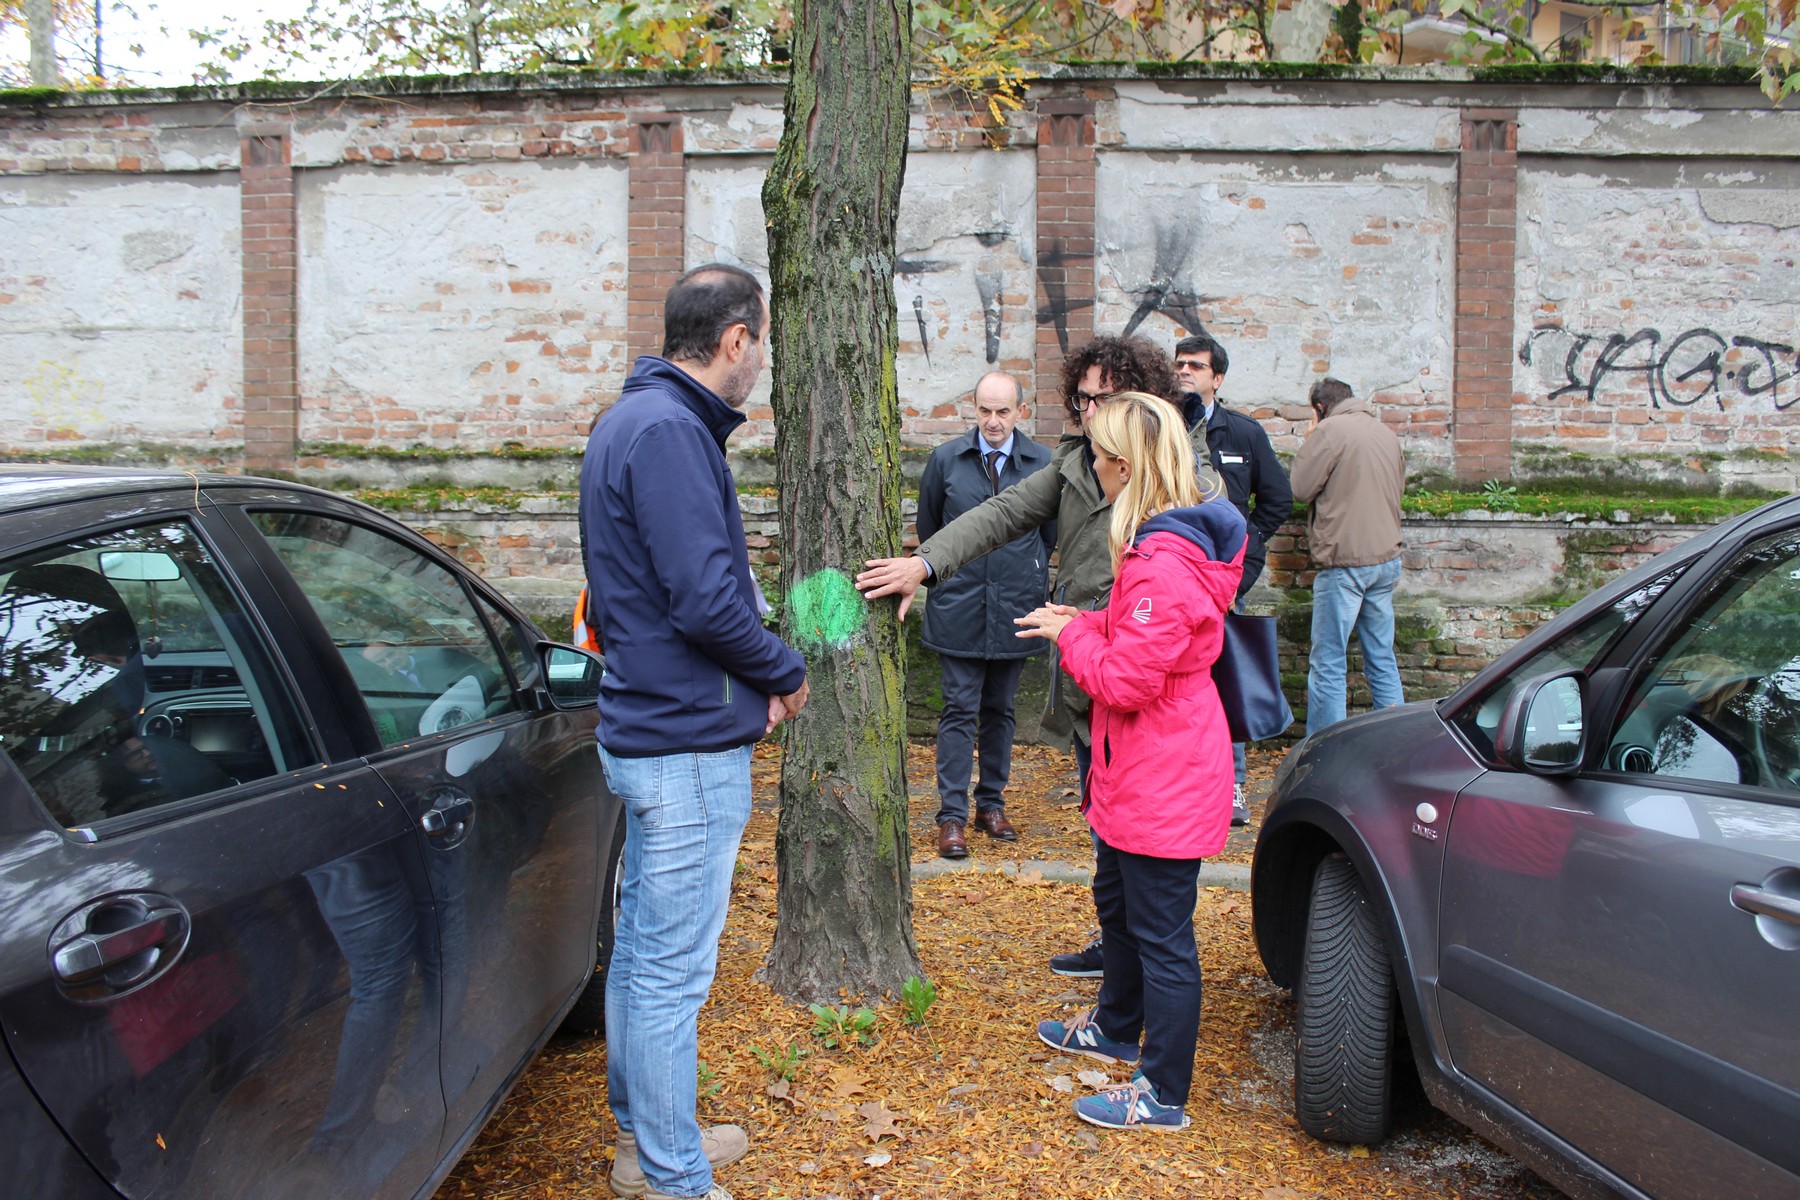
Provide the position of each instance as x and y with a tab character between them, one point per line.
964	283
461	305
1300	272
1644	286
1657	130
725	224
1148	116
119	308
966	225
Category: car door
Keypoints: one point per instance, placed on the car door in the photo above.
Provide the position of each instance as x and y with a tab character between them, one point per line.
502	792
1618	954
200	882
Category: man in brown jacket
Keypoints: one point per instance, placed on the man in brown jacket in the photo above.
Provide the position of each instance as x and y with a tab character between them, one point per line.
1352	472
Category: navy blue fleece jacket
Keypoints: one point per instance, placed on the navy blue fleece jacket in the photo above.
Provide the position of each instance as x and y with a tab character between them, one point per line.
690	665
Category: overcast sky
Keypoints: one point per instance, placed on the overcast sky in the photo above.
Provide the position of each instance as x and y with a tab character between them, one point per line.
161	26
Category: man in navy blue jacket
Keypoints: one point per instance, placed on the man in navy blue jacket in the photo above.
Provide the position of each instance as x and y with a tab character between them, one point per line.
693	680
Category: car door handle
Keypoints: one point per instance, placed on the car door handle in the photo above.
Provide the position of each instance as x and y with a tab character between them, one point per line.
449	816
1765	903
87	956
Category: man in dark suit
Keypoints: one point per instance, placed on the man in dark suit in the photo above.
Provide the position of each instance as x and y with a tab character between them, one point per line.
969	617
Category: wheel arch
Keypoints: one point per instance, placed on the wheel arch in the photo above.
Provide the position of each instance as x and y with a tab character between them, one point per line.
1303	833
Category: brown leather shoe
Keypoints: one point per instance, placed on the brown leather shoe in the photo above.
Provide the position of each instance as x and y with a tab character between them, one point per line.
951	842
993	822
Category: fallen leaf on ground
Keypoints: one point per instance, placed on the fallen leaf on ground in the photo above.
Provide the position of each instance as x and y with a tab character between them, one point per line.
1062	1083
1032	1149
781	1090
878	1160
1094	1079
963	1089
880	1120
846	1082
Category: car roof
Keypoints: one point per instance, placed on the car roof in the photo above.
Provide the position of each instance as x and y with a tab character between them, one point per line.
32	485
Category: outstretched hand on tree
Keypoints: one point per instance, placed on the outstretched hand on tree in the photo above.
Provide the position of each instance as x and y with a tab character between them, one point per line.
891	576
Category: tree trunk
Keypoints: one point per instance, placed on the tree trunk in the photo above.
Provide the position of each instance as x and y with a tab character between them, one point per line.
831	199
40	21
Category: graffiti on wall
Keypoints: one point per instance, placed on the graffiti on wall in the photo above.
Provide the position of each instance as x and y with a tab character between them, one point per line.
1696	366
1177	249
988	286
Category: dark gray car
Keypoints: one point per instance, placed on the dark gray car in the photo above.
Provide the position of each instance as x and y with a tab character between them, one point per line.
1569	894
304	846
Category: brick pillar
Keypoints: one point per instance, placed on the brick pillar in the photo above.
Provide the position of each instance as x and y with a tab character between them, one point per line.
1487	218
1065	248
271	385
658	211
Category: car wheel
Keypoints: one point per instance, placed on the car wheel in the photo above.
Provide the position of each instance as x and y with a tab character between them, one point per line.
589	1014
1344	1063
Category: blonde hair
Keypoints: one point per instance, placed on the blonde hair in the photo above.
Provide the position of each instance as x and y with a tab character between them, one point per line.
1149	434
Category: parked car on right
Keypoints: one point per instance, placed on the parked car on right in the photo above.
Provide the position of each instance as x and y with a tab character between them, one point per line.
1569	893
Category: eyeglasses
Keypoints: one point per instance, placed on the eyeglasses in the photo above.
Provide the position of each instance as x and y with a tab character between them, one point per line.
1087	400
1188	364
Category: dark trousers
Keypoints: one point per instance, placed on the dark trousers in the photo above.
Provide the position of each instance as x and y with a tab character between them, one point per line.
1152	983
977	717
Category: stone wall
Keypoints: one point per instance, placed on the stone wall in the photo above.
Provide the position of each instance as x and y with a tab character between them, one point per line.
1529	278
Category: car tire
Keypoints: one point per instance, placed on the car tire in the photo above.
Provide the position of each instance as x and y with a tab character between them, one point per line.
1344	1014
588	1017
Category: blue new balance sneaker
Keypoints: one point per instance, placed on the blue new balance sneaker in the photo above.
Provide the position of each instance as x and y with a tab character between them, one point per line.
1082	1036
1130	1106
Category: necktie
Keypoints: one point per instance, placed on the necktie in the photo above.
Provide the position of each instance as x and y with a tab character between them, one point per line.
992	459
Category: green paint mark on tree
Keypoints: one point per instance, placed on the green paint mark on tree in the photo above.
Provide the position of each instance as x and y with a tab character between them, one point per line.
828	611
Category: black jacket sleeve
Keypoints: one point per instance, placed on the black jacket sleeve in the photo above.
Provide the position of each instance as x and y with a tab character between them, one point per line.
931	497
1269	485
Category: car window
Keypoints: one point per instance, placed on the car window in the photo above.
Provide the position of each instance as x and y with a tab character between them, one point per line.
406	628
1720	699
130	678
514	640
1577	649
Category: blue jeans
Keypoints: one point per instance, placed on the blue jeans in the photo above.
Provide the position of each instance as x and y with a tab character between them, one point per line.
684	816
977	721
1346	598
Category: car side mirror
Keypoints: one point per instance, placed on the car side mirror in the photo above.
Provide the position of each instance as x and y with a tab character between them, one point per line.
1543	729
571	675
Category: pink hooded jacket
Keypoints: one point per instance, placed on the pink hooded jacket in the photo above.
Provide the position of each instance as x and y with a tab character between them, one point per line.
1162	776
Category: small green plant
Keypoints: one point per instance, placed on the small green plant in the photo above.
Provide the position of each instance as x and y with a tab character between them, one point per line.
917	995
841	1026
784	1063
707	1081
1493	489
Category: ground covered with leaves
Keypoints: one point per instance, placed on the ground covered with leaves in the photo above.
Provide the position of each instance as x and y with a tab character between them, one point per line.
968	1103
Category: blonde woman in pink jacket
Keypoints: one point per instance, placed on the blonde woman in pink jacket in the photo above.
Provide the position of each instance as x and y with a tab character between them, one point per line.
1159	797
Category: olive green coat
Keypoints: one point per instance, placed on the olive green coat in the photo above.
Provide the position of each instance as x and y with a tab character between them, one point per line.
1068	493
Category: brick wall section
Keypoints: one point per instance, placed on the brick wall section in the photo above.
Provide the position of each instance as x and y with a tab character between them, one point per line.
658	218
1065	248
271	402
1487	217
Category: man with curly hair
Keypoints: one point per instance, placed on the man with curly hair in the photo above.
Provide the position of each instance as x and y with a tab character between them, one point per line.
1067	492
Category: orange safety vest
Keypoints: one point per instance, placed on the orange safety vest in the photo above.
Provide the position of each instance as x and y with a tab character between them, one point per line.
586	636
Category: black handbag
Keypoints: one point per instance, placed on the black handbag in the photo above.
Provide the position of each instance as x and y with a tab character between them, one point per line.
1248	676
